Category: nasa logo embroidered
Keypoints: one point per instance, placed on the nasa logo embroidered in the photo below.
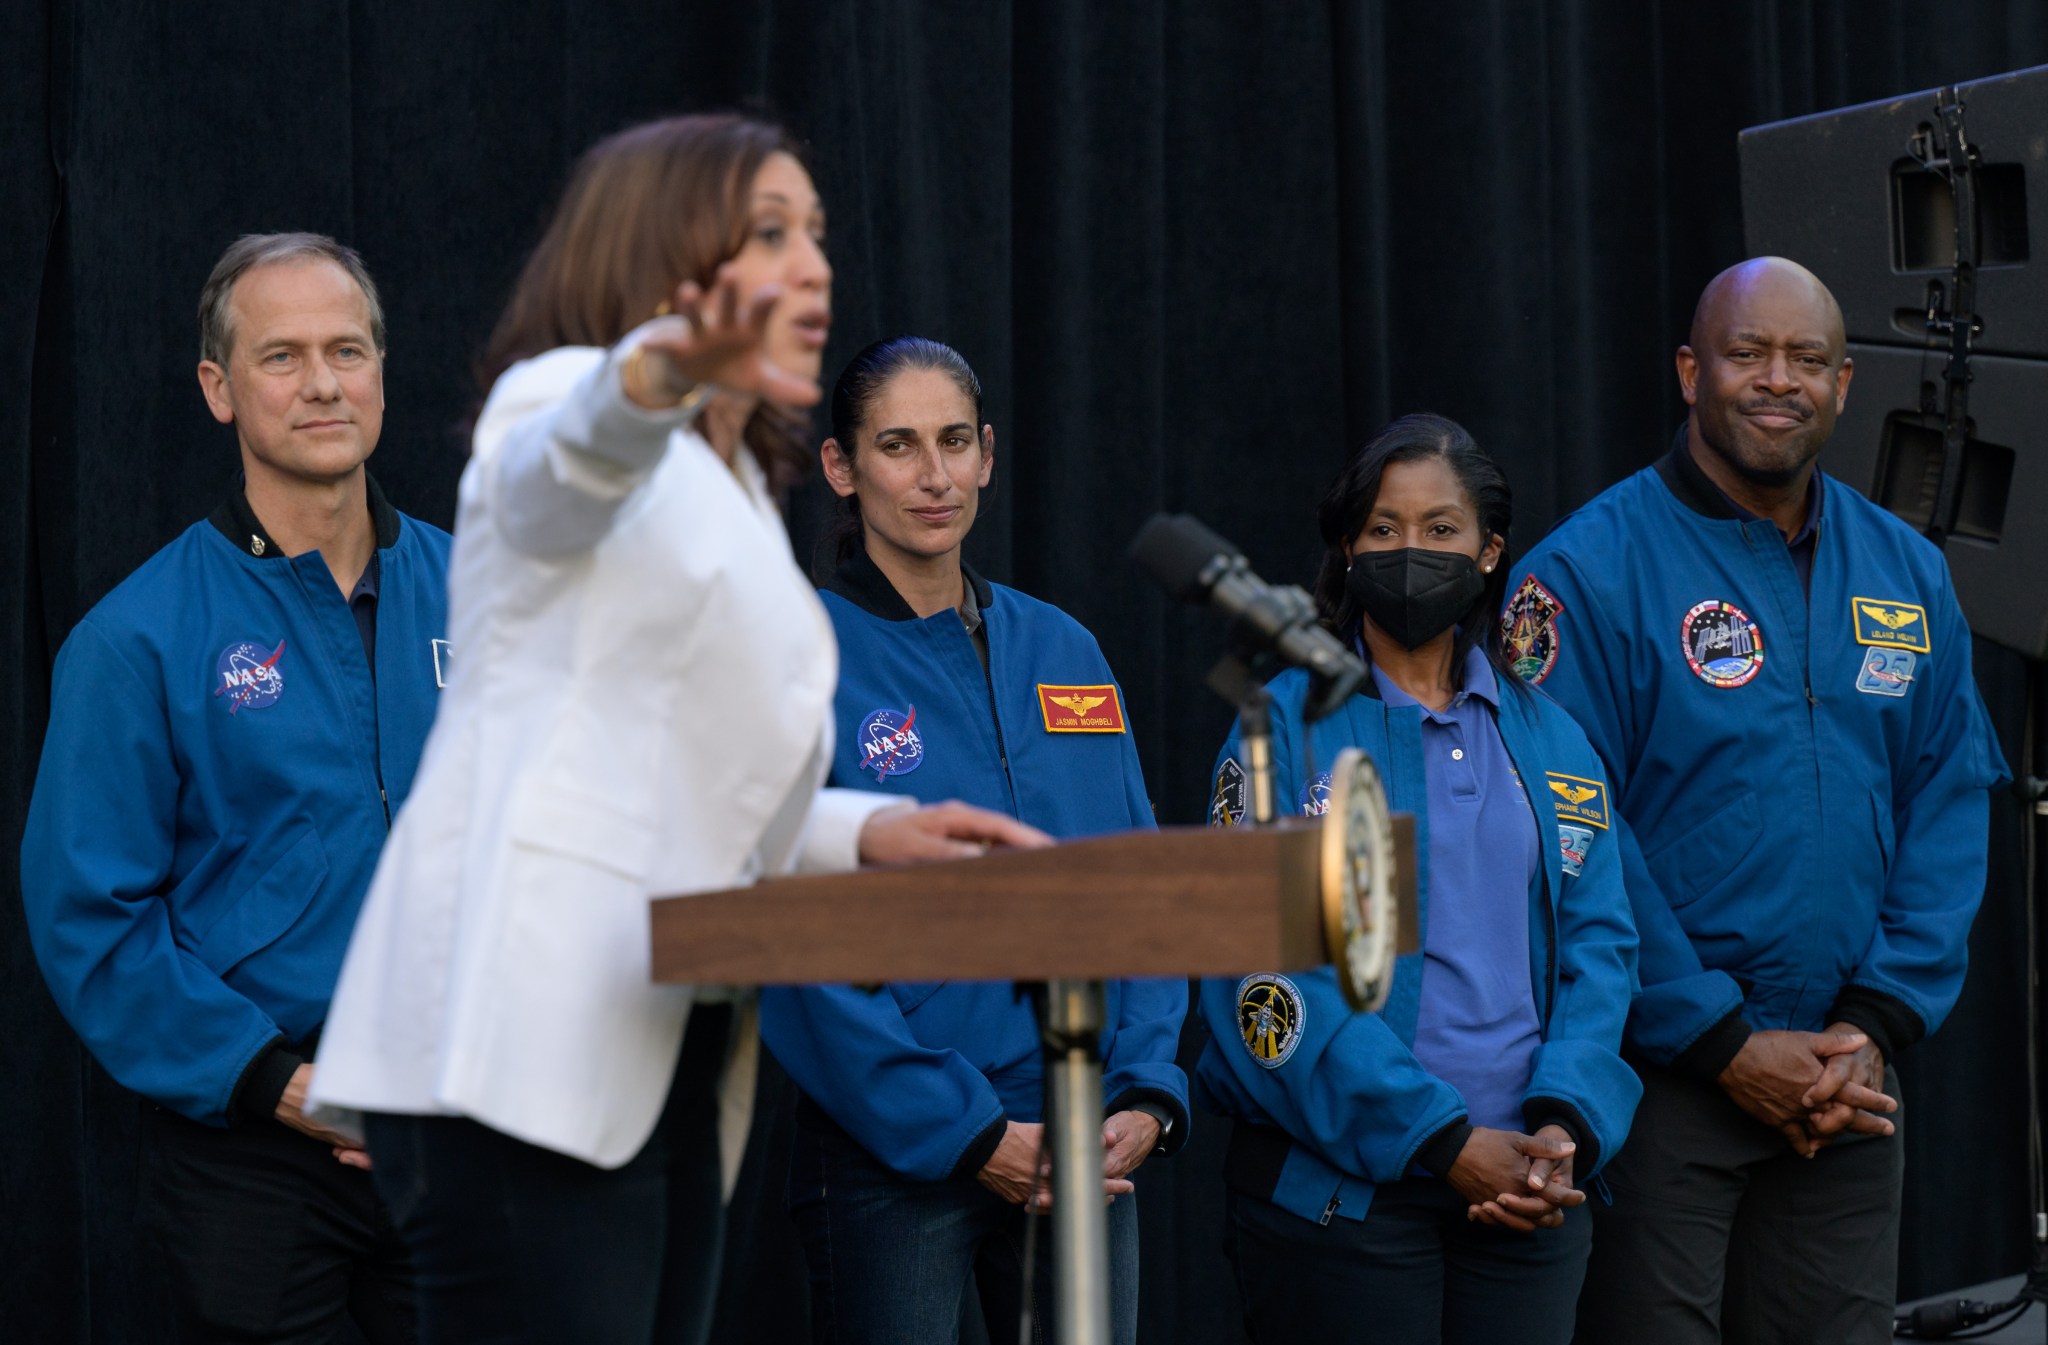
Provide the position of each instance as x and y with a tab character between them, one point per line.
1529	629
1887	672
1891	625
1579	799
889	744
1723	647
1314	799
1083	709
1226	801
251	677
1574	842
1270	1016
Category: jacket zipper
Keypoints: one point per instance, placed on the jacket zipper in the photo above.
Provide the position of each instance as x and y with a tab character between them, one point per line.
1811	703
995	719
1549	956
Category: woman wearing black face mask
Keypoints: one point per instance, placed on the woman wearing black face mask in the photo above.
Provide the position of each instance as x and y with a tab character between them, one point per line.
1420	1168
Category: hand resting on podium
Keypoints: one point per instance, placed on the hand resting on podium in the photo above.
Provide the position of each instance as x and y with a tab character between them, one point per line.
949	830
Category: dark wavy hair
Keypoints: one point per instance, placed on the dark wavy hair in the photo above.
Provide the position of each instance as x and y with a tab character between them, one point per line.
853	397
1348	503
646	209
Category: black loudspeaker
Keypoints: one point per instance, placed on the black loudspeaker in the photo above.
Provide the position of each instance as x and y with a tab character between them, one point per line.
1846	194
1841	194
1888	445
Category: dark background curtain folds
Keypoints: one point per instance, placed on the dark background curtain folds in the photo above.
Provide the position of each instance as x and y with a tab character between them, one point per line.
1197	252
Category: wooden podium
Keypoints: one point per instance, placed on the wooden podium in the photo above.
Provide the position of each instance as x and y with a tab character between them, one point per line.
1185	901
1180	902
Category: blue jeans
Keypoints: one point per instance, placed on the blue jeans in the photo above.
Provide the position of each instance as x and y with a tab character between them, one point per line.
1412	1272
891	1260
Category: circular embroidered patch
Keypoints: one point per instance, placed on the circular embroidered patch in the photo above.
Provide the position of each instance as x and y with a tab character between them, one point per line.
1270	1015
888	743
1723	647
249	676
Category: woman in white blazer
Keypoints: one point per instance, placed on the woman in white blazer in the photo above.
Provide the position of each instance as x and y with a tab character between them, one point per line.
638	702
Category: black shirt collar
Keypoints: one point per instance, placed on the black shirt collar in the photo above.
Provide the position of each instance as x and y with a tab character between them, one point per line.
237	522
1697	491
1694	489
861	582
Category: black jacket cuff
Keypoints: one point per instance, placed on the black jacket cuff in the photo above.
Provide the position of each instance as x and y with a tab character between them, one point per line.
1162	1107
263	1082
976	1155
1539	1112
1713	1049
1441	1150
1885	1019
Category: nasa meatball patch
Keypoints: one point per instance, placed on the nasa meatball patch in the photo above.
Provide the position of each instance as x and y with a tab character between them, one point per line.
1314	799
888	743
1270	1015
249	676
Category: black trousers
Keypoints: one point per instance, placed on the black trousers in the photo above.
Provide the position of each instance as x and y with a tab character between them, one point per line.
1719	1232
267	1238
1412	1272
519	1245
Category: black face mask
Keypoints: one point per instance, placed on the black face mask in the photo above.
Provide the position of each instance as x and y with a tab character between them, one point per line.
1414	594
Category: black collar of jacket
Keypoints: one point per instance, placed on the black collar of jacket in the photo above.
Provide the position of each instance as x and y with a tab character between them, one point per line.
237	522
861	582
1697	491
1691	485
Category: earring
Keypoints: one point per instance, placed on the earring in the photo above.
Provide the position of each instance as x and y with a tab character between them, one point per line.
663	309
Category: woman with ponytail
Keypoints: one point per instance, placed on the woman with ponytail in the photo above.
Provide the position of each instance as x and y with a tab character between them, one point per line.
920	1132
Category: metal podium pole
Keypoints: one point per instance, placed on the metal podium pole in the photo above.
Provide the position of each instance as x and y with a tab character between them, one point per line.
1074	1012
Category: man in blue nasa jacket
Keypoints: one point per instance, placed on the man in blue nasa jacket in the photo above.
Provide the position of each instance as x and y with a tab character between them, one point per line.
230	731
1776	674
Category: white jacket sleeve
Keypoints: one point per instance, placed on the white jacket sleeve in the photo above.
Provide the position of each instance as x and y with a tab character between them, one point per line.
565	469
831	839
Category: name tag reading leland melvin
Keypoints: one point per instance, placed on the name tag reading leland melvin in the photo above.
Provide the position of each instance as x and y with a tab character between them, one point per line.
1090	709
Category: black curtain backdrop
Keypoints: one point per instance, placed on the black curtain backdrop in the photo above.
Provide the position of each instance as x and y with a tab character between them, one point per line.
1196	250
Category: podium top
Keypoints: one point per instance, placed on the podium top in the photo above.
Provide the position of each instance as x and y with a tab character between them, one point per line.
1182	901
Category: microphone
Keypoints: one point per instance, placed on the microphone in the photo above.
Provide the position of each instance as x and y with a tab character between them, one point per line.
1195	565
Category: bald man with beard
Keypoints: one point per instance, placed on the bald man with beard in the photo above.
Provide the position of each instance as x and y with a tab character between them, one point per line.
1776	675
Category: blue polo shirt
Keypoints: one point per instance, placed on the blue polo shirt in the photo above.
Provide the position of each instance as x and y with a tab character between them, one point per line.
1477	1028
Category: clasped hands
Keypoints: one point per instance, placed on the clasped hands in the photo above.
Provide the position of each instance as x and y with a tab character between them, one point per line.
1517	1181
1019	1169
1811	1086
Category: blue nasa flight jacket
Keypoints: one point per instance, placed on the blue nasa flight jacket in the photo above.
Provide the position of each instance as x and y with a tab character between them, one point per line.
1801	778
925	1076
217	781
1333	1103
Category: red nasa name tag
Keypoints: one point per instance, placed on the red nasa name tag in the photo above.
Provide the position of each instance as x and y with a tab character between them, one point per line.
1090	709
